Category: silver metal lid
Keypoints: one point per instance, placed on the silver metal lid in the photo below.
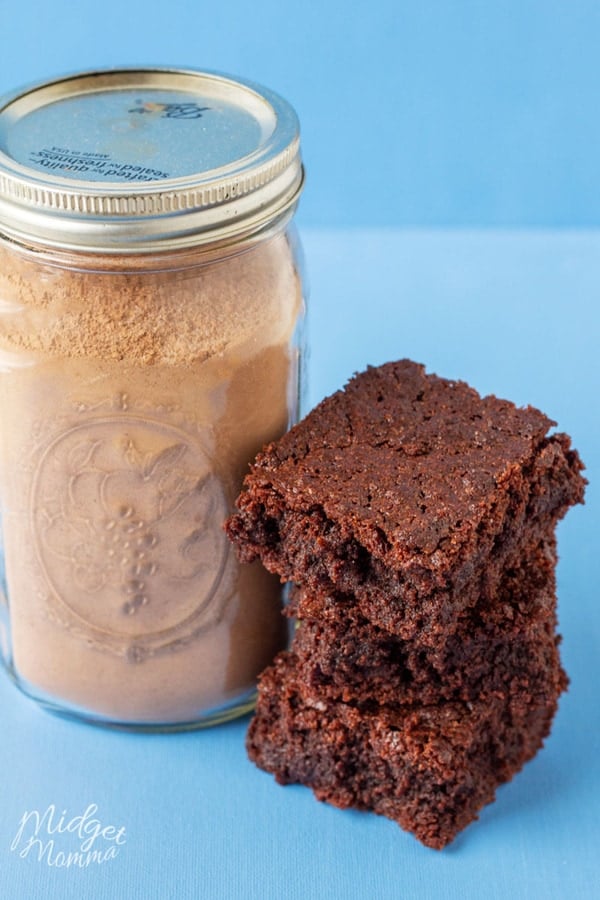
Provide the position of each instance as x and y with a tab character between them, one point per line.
136	160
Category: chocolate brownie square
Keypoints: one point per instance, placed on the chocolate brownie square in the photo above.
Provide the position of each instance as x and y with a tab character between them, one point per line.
497	647
430	768
408	493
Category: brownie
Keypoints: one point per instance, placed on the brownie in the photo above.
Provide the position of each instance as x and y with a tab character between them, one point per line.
417	520
365	665
408	493
430	768
495	646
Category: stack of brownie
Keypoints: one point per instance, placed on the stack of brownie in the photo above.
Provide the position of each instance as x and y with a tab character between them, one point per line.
416	520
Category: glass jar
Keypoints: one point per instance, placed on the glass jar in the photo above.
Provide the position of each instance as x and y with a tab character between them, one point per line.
150	339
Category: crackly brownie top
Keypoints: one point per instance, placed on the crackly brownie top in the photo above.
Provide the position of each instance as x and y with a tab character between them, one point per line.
403	461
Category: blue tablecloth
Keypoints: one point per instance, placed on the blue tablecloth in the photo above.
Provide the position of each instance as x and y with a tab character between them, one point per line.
513	313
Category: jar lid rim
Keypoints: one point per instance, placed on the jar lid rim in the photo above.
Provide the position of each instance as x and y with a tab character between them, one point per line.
139	159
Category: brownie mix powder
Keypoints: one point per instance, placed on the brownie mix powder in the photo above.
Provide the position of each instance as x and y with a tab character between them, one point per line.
131	402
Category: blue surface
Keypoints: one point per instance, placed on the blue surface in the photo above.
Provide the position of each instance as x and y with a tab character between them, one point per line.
413	111
513	313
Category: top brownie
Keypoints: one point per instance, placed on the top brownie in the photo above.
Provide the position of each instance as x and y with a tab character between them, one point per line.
405	487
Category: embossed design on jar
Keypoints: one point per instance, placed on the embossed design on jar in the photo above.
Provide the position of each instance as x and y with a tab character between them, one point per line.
127	517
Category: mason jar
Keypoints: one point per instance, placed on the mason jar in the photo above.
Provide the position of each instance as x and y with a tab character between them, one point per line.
151	309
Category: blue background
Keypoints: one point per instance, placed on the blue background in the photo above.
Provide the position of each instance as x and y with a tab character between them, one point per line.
457	117
414	112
